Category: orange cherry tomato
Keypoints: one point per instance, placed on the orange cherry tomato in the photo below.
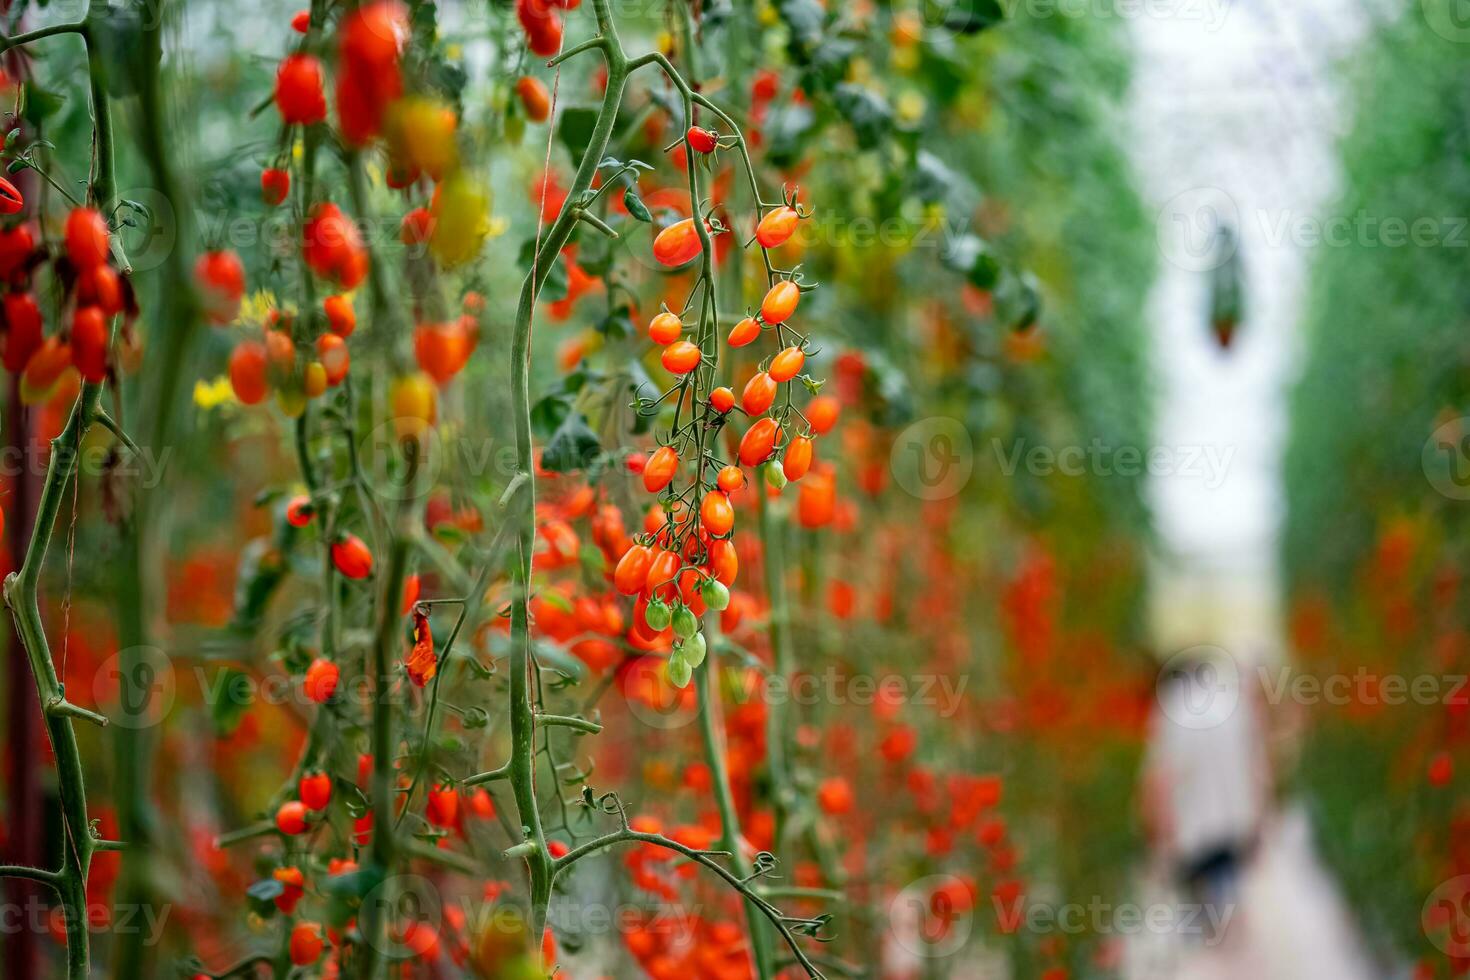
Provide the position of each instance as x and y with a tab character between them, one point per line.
787	364
662	570
822	413
341	317
717	514
335	358
776	227
247	372
89	343
632	569
535	100
665	328
678	243
724	560
87	238
722	400
780	302
744	332
759	393
731	478
758	442
659	472
680	357
798	458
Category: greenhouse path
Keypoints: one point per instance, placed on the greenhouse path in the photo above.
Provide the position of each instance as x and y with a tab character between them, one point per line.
1235	112
1288	924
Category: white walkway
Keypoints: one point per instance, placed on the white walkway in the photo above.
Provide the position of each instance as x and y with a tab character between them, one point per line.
1234	115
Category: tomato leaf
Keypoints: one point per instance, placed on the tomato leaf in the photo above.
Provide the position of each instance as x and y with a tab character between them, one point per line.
572	447
970	16
635	206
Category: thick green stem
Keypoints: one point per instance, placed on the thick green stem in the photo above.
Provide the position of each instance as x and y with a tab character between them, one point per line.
21	596
522	699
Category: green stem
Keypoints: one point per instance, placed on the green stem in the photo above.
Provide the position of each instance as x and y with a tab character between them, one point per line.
522	701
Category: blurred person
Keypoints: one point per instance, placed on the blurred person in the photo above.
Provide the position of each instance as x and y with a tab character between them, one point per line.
1206	781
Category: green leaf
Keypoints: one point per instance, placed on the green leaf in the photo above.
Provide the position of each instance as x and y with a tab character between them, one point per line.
573	446
548	414
867	112
575	131
970	16
635	205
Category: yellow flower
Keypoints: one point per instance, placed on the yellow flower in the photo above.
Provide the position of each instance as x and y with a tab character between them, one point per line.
212	394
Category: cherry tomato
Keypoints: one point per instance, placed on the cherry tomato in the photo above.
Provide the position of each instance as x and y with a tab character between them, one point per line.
722	400
822	413
341	317
315	790
443	806
299	511
659	471
87	238
275	184
89	343
787	364
730	479
535	100
661	571
798	458
220	277
680	357
678	243
780	302
744	332
291	817
776	227
702	140
248	372
665	328
299	94
717	514
335	357
23	330
11	200
352	557
306	943
759	393
724	560
758	442
632	569
321	679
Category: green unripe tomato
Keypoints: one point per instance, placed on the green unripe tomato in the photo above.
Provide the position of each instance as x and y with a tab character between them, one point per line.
657	615
686	624
679	670
775	476
693	650
714	593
